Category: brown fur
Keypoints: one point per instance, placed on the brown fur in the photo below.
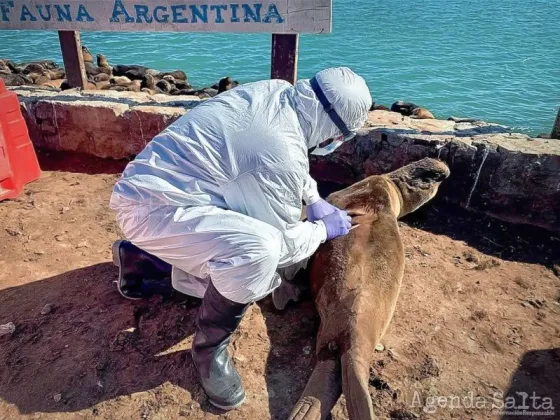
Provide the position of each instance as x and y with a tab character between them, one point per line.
422	114
88	58
356	280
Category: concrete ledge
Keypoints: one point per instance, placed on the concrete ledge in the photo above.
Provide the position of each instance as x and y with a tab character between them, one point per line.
106	124
507	175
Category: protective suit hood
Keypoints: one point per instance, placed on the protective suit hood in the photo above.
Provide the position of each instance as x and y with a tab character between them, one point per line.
347	92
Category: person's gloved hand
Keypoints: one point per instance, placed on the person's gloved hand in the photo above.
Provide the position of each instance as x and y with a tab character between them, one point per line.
337	224
319	209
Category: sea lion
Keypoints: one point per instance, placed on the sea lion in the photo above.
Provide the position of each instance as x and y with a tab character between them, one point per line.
57	74
101	77
41	80
66	86
55	84
120	80
135	86
183	92
149	82
422	114
132	72
13	67
103	63
177	75
182	85
87	56
169	78
164	86
225	84
379	108
404	108
36	68
355	280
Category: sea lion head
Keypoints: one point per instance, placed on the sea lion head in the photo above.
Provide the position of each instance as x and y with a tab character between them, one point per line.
418	183
102	61
88	58
400	192
149	82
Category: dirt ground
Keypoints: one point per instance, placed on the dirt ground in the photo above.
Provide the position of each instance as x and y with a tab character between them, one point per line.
477	319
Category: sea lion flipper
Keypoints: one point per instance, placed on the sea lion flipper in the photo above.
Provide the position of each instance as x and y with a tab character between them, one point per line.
355	377
321	393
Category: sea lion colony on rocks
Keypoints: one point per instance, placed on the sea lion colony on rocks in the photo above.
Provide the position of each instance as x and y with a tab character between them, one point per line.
102	76
355	281
134	78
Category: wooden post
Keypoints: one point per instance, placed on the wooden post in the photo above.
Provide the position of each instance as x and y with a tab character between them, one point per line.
71	47
556	129
284	57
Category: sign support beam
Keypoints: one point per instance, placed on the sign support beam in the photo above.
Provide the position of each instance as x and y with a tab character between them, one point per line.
71	47
284	57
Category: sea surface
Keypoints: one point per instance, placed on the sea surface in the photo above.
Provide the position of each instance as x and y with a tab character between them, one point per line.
497	60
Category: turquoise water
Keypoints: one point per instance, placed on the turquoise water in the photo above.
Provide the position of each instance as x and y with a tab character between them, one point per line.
497	60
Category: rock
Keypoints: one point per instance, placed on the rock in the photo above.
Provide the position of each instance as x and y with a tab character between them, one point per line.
47	309
307	350
57	397
16	79
379	347
8	328
239	358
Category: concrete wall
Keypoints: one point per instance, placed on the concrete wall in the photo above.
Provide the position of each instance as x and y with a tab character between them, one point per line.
107	124
507	175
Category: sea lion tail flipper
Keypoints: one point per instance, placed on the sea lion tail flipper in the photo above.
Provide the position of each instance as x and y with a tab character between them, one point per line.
321	393
355	381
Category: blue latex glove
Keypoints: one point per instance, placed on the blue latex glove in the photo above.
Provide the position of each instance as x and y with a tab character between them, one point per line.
319	209
337	224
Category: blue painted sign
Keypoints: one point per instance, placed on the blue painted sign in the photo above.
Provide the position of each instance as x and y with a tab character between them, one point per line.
276	16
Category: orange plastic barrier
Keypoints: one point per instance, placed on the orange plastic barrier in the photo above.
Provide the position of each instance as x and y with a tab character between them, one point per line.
18	161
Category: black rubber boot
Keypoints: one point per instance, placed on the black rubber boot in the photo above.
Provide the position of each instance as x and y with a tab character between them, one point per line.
218	317
141	274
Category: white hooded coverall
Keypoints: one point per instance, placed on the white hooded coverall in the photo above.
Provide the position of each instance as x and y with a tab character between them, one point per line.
218	194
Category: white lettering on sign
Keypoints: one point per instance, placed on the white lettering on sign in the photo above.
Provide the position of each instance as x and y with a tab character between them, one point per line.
274	16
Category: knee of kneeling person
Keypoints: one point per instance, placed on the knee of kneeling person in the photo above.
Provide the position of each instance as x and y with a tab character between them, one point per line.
269	249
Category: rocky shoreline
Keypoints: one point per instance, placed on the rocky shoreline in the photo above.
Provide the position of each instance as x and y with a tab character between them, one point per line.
135	78
103	76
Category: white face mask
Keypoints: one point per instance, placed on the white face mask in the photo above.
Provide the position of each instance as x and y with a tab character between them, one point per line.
331	147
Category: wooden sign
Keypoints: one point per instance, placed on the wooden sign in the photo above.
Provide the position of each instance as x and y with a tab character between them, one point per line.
272	16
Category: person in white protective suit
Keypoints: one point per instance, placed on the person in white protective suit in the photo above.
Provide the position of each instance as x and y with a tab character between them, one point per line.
218	196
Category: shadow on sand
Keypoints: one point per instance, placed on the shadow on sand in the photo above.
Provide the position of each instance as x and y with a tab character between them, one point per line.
535	386
95	346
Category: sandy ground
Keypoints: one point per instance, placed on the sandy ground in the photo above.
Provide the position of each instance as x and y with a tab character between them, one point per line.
477	319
